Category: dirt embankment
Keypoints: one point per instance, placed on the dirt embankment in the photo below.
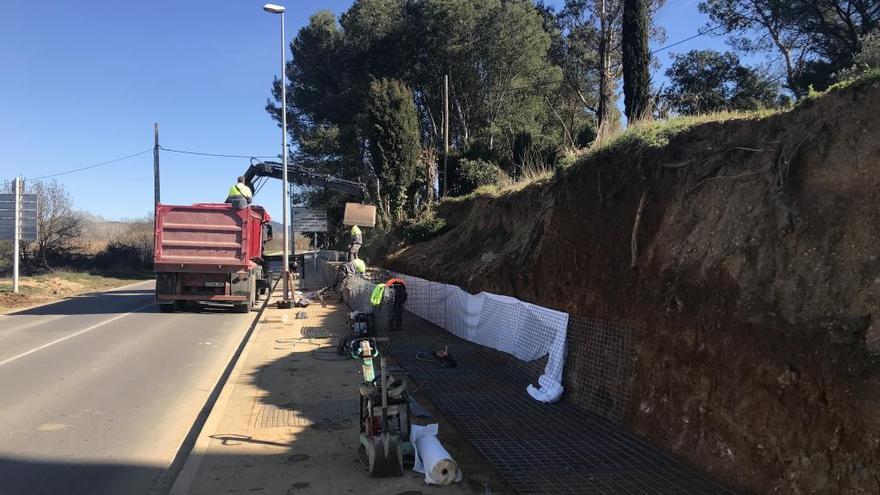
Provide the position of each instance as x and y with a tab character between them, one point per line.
755	292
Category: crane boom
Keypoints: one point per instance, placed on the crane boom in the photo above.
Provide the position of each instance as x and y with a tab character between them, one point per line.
304	177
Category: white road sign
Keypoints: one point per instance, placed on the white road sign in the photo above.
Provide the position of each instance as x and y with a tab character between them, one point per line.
309	219
27	217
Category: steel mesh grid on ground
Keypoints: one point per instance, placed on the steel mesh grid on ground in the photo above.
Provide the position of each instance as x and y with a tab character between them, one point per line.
538	448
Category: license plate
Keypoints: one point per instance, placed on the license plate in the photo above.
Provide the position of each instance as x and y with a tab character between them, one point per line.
214	284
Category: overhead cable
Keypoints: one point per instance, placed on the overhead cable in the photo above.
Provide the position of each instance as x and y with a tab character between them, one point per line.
699	33
220	155
80	169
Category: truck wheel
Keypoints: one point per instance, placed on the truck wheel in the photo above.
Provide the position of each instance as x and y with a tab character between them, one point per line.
166	308
241	308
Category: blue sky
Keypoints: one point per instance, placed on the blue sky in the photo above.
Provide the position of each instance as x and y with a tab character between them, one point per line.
83	83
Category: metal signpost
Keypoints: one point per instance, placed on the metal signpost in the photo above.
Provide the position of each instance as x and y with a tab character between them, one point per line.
18	221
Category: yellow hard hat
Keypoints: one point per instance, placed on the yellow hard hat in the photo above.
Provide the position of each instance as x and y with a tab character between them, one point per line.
360	266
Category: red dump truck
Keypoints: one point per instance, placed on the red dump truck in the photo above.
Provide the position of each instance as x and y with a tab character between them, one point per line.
210	253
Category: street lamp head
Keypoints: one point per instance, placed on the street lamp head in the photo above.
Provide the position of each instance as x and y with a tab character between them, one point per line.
274	9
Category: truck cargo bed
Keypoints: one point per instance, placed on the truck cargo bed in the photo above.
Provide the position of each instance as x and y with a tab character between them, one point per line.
208	237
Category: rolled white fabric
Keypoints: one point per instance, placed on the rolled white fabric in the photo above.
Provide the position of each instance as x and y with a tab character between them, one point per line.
431	458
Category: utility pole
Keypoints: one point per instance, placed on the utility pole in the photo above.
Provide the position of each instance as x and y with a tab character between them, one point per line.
445	130
18	191
155	165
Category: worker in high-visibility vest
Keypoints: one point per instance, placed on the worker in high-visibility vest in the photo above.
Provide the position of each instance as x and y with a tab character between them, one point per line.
345	276
240	195
357	239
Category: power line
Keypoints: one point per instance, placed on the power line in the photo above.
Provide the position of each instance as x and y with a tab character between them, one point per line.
699	33
220	155
108	162
126	157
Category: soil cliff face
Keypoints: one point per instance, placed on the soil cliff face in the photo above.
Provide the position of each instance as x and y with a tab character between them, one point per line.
752	282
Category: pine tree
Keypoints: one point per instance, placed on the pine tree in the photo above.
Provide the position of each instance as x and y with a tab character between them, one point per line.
394	142
636	57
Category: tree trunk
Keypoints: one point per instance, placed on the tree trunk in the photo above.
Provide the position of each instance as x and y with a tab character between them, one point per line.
435	135
384	211
606	78
431	173
636	57
465	135
790	72
567	137
606	97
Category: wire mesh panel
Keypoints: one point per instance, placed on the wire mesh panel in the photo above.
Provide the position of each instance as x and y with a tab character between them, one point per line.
359	290
524	330
329	263
427	299
499	345
601	366
388	316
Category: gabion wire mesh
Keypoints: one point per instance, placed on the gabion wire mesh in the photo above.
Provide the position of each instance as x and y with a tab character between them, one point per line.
600	367
578	445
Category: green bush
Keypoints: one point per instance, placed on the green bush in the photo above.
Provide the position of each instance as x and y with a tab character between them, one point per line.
132	250
122	255
474	173
420	229
867	60
586	136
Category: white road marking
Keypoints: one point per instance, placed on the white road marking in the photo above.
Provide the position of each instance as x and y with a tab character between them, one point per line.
62	339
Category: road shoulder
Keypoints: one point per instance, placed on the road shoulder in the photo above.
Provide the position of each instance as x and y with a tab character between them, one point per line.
286	421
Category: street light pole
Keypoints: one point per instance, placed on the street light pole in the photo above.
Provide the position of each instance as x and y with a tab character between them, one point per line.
285	270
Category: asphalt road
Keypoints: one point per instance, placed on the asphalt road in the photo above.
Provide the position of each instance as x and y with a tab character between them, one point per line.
98	392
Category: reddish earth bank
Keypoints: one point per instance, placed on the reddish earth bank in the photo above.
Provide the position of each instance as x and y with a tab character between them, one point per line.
755	292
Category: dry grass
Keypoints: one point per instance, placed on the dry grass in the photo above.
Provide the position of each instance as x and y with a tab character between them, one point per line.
273	247
656	134
532	174
59	285
90	248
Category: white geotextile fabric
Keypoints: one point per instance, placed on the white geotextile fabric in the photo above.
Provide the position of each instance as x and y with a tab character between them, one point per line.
505	323
431	458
